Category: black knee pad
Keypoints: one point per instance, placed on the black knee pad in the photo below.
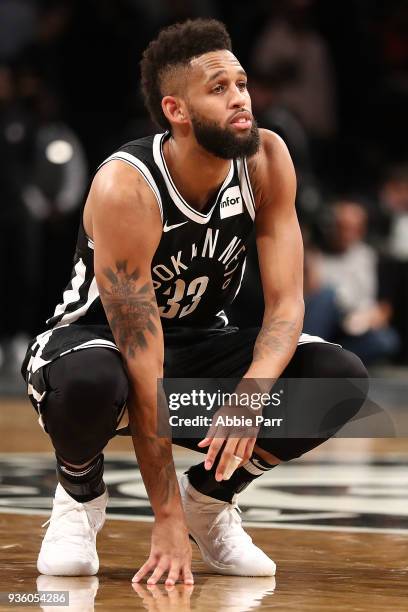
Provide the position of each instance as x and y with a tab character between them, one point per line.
351	387
86	392
324	360
334	406
350	381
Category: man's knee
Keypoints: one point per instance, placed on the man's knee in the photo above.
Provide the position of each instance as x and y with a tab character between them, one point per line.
350	382
86	393
87	381
332	361
331	401
349	365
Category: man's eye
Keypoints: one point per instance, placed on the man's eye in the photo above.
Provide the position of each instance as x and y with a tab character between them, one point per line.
242	85
218	88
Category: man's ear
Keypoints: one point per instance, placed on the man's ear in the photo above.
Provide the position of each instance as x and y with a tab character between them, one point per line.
174	110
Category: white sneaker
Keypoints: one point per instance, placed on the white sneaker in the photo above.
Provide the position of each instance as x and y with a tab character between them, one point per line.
69	545
216	527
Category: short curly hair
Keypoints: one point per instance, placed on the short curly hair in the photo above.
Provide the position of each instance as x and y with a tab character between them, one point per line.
174	48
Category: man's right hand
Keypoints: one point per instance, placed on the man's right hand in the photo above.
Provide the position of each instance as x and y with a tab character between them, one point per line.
170	552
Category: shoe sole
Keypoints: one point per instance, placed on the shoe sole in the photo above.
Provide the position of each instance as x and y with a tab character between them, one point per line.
47	570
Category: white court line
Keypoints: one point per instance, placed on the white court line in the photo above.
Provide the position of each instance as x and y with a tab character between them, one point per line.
184	461
149	519
184	457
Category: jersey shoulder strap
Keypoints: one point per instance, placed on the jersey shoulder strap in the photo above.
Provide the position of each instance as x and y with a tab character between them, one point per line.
139	155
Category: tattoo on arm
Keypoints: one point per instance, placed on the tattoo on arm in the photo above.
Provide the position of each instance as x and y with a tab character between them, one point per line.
161	475
275	336
131	309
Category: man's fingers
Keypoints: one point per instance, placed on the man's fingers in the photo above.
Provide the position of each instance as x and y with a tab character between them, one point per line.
173	575
157	574
213	452
242	451
204	443
226	457
247	451
145	569
188	577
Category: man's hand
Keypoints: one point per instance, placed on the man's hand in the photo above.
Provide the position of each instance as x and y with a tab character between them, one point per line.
170	552
239	440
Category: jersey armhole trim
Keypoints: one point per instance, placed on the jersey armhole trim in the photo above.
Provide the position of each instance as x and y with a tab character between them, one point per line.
246	189
248	180
142	169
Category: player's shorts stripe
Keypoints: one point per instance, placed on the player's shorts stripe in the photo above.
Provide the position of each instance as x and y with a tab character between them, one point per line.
70	296
71	317
94	343
307	339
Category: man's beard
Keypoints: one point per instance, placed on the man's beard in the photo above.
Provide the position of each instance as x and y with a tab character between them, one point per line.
222	142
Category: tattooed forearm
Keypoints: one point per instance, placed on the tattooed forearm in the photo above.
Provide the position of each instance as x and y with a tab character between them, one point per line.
130	308
276	336
158	473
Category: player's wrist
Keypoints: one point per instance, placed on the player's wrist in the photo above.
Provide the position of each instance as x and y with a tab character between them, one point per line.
263	373
255	384
172	513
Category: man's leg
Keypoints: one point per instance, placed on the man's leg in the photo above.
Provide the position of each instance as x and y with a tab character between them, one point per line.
86	391
210	506
310	361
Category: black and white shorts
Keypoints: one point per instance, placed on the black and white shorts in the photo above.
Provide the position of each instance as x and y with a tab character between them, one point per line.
189	353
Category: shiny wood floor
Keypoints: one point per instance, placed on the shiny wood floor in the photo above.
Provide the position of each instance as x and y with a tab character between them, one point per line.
329	571
317	570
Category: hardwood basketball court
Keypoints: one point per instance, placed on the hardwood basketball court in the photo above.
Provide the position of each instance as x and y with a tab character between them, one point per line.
335	522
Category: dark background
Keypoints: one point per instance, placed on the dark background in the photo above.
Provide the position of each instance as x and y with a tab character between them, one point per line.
329	76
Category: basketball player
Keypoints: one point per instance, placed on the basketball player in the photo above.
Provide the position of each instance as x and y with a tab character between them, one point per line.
161	251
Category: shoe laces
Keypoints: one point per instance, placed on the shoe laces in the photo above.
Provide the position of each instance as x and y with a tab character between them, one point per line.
72	521
228	521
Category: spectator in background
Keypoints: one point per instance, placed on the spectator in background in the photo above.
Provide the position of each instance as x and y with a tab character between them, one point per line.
393	198
308	195
295	58
42	180
343	301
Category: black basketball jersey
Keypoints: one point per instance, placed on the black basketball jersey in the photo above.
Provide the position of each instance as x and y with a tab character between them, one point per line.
197	269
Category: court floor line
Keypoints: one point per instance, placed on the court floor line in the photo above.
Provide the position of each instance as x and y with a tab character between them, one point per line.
300	526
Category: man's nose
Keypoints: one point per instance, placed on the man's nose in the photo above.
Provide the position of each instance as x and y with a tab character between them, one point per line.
239	98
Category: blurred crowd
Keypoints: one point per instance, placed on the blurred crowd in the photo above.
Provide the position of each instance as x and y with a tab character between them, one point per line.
330	77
